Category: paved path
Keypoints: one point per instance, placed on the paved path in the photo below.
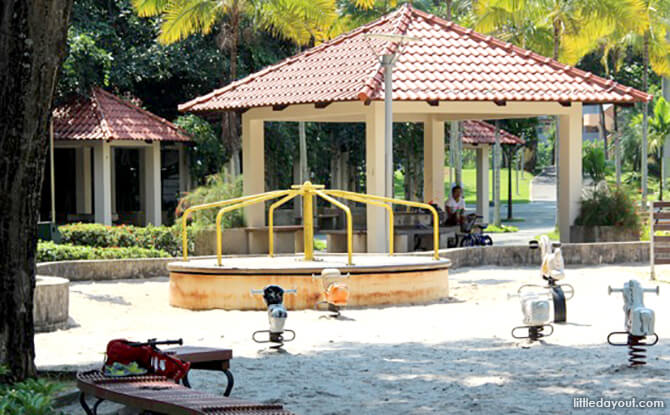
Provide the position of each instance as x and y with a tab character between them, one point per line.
539	215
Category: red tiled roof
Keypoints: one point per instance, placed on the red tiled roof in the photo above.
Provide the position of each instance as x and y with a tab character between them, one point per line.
104	116
480	132
448	63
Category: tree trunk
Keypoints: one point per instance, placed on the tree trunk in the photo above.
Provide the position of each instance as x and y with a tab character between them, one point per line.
230	122
557	143
645	113
449	4
603	129
32	47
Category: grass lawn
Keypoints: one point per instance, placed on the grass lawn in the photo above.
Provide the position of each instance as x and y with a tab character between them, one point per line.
470	186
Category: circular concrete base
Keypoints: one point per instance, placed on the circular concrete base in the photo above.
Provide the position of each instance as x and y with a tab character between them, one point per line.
51	303
374	280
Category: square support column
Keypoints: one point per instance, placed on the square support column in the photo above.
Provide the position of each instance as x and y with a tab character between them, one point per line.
570	169
253	165
83	180
483	182
184	172
152	183
377	222
102	165
433	161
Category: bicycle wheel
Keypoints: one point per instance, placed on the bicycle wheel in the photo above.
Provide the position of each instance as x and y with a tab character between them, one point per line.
487	241
467	241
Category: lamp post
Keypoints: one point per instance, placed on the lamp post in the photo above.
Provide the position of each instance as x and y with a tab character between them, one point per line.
387	60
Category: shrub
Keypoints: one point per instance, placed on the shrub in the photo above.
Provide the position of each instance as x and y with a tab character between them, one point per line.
100	236
594	163
30	397
50	251
608	207
218	187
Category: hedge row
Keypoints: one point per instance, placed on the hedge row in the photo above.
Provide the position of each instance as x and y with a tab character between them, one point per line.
50	251
161	238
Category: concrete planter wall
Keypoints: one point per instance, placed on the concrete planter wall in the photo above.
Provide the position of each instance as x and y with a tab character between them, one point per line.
504	256
521	255
580	234
106	269
234	242
51	303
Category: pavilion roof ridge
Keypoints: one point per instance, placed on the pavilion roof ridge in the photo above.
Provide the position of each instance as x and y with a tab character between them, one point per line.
294	58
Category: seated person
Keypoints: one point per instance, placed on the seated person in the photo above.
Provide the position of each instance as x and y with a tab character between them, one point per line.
455	207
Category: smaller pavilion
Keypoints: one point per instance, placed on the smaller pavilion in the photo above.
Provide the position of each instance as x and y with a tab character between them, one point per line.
114	163
481	136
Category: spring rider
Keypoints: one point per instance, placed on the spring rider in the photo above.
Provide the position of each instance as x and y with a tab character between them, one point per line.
639	322
273	295
536	314
335	292
552	271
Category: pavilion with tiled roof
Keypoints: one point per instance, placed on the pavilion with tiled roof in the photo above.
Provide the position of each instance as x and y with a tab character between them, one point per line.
127	144
449	74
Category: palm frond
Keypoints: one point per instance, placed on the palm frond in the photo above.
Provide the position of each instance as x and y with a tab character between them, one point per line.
183	18
147	8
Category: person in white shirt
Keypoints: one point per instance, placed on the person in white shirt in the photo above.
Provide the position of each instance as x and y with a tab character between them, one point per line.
455	207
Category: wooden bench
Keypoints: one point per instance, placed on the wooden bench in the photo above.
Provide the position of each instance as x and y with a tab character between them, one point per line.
158	394
206	358
404	239
287	239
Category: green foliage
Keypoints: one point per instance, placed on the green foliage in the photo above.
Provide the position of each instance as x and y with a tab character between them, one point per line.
207	152
218	187
554	235
50	251
109	45
161	238
608	207
30	397
594	163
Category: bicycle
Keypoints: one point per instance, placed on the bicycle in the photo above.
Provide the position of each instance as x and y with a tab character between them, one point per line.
468	237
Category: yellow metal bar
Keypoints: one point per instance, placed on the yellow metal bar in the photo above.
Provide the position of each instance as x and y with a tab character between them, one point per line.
275	205
436	219
219	216
350	225
388	207
187	212
308	221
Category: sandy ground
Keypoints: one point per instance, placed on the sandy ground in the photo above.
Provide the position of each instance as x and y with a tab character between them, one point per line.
453	357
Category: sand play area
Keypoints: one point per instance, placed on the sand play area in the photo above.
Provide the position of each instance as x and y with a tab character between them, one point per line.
452	357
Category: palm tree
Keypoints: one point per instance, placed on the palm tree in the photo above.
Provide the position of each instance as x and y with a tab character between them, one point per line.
299	21
659	129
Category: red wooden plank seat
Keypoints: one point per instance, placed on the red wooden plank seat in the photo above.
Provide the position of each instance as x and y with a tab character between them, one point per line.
158	394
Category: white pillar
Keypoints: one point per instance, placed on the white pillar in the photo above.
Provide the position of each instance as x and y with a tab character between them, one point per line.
83	180
483	182
570	169
375	169
103	183
253	165
184	170
152	183
433	161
